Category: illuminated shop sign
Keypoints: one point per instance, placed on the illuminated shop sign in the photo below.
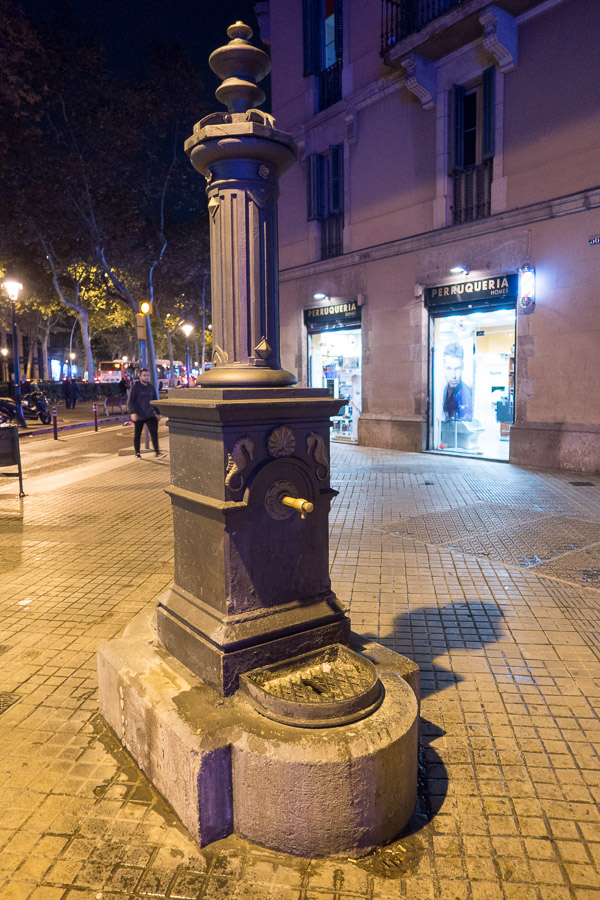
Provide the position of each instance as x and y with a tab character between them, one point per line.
479	292
336	315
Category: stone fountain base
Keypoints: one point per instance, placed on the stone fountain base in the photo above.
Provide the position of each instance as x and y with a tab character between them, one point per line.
225	768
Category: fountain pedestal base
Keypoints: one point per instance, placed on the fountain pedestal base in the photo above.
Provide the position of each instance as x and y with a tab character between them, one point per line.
225	768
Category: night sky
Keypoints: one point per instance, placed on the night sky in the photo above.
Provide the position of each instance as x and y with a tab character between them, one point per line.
129	28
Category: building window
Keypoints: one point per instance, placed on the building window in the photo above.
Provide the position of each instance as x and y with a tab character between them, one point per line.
472	151
325	198
323	41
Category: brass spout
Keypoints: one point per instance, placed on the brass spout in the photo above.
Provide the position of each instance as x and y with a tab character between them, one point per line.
297	503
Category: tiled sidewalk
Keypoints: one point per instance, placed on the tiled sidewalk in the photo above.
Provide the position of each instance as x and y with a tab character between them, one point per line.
488	576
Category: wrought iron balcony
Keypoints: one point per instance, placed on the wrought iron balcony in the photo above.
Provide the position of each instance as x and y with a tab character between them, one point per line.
330	85
471	193
399	18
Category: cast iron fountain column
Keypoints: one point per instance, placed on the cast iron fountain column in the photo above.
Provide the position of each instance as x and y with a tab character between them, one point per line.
251	573
244	700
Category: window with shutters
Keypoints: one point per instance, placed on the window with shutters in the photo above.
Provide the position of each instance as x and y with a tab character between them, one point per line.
325	198
323	42
472	151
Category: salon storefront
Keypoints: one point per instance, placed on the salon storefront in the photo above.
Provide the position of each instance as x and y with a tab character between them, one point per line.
472	343
335	360
520	382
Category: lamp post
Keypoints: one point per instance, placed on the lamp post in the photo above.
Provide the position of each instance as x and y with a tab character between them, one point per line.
72	357
187	330
13	289
4	353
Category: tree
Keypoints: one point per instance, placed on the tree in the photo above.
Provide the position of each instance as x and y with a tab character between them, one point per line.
84	290
38	316
182	293
38	310
121	186
21	90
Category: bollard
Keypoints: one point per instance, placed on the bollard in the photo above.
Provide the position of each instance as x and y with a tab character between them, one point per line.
95	408
54	423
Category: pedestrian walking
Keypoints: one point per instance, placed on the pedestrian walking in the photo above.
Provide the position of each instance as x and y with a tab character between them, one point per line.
124	389
142	413
75	393
66	392
124	386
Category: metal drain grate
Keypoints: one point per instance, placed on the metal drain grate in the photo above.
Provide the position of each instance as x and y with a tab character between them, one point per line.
319	689
7	700
319	683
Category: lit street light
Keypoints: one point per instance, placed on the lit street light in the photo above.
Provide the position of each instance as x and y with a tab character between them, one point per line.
72	357
187	330
13	289
4	353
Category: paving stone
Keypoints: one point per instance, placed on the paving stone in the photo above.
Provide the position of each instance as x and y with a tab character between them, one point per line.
487	578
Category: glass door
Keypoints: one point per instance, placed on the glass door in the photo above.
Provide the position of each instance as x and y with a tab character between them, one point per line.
473	383
334	359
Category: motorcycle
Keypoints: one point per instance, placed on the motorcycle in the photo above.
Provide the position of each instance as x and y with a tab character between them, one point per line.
34	406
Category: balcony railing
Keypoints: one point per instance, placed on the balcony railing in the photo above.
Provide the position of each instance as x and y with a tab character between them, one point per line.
471	193
332	235
330	85
399	18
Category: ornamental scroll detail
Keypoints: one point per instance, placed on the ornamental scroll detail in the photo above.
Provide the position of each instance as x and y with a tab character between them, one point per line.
281	442
219	356
237	461
315	447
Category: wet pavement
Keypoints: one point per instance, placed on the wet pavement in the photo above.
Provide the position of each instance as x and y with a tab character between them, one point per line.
487	575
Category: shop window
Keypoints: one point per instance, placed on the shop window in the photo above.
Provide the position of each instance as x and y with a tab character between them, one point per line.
323	41
335	364
472	151
472	383
325	198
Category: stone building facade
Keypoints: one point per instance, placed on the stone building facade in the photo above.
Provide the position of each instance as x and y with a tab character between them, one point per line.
435	136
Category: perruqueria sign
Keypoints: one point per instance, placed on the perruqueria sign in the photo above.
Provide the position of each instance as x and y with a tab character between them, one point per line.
480	293
336	315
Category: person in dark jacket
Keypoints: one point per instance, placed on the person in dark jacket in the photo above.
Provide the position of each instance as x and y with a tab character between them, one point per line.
142	413
66	392
75	393
123	386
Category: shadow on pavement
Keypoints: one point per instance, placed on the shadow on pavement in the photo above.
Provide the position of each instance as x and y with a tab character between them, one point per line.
424	634
435	631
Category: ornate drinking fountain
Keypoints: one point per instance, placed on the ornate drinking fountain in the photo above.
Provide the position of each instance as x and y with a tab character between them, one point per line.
246	699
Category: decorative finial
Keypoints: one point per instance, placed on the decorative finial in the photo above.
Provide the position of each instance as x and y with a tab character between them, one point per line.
239	30
240	65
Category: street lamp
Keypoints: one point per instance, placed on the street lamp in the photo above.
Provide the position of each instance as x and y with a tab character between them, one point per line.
13	289
72	357
187	330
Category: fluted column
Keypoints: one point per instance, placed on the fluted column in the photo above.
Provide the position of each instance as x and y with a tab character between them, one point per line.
242	155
